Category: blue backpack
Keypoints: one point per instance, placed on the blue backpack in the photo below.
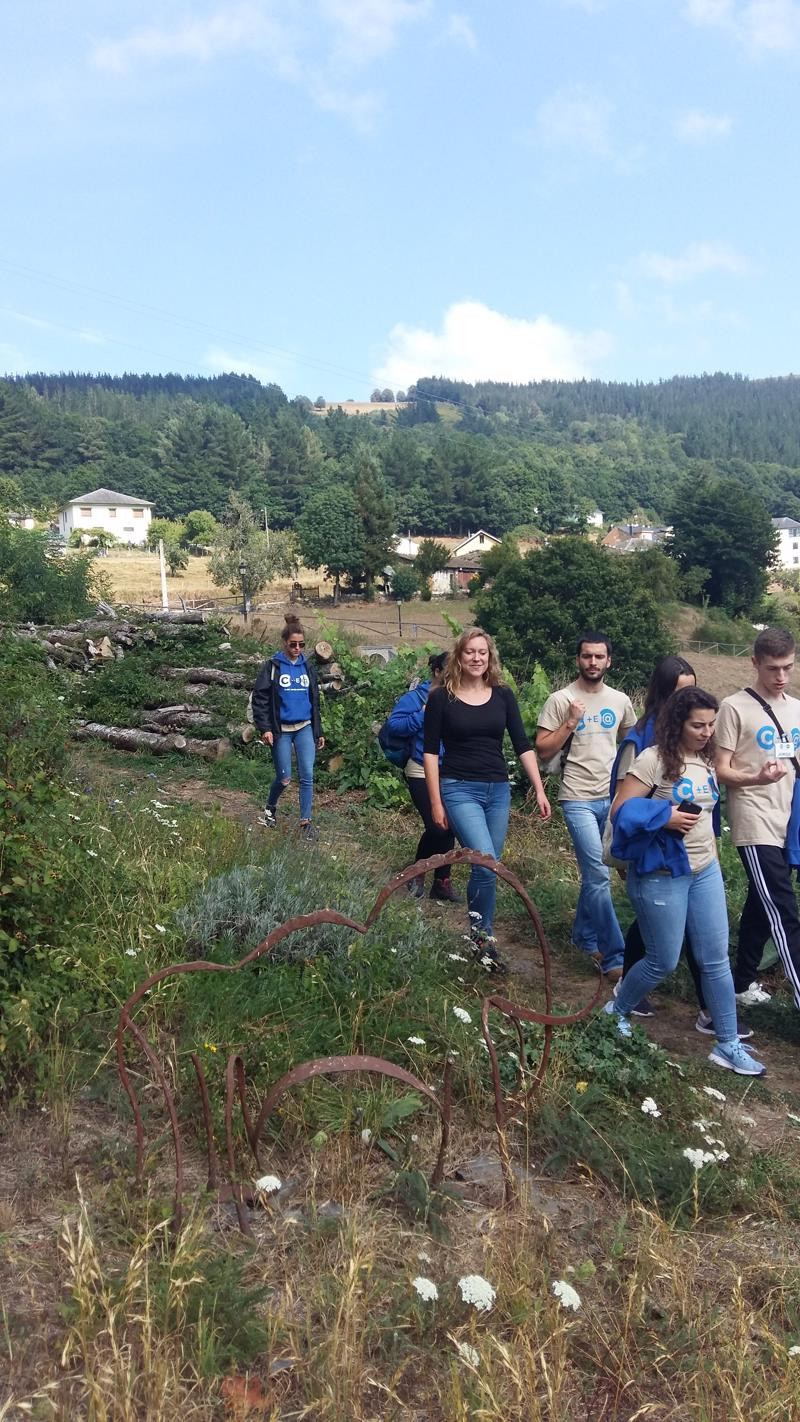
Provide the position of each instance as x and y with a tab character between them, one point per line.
397	748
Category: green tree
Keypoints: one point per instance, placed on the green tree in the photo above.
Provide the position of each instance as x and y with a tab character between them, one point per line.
166	531
36	586
432	557
246	558
330	535
93	538
10	494
538	605
718	525
405	583
200	529
376	511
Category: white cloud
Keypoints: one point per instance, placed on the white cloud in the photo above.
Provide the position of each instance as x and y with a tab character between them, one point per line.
319	46
574	117
477	343
763	26
365	30
696	126
222	362
697	259
459	29
228	30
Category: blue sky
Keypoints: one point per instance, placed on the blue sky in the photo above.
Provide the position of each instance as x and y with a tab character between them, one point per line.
338	193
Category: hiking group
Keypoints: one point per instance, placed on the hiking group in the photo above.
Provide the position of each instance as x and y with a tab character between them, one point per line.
640	795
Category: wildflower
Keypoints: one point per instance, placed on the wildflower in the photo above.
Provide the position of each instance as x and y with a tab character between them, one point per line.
794	1351
566	1295
267	1184
209	1046
416	1041
159	804
702	1125
477	1291
581	1086
714	1094
473	1357
76	818
456	957
424	1258
130	952
159	927
698	1158
415	1138
59	698
366	1135
462	1014
473	913
487	962
426	1288
92	853
748	1120
649	1107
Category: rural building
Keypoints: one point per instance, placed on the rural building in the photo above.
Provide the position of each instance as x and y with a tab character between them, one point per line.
128	519
635	537
20	520
595	519
788	531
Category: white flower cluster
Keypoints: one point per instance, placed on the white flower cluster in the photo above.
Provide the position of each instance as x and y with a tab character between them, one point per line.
268	1184
477	1291
416	1041
649	1107
697	1158
426	1288
462	1014
473	1357
714	1094
566	1295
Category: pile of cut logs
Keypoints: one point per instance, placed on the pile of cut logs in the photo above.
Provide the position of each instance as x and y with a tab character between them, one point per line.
87	644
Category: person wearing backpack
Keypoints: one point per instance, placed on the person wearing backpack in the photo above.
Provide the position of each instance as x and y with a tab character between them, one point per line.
402	734
286	711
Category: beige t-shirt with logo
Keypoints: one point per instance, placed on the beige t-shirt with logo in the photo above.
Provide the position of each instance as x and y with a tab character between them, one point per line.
696	785
587	772
758	814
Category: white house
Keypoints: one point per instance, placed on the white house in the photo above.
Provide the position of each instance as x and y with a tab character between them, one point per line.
595	519
128	519
20	520
463	563
788	531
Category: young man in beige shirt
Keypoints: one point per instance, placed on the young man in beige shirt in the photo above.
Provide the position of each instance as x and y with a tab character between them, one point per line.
584	721
758	739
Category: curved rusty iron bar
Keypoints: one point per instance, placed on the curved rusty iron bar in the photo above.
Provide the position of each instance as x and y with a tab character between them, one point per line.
235	1070
330	1066
234	1076
211	1149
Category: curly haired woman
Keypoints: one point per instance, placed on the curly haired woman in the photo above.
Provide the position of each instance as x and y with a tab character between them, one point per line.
662	816
470	714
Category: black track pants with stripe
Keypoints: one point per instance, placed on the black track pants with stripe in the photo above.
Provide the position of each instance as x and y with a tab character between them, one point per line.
770	911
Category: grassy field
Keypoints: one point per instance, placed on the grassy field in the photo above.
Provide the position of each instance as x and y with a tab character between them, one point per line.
624	1284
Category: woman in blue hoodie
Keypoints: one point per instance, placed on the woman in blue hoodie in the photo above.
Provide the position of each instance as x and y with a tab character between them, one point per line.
406	719
286	712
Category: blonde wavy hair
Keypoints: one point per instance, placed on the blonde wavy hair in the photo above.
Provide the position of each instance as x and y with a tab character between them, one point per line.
493	676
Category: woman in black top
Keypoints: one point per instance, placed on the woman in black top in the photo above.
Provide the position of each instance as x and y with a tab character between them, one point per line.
470	715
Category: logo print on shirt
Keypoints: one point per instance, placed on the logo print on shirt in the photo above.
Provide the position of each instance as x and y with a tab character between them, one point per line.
300	682
765	737
606	719
683	789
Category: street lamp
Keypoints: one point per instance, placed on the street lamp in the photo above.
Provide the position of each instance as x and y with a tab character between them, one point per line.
245	598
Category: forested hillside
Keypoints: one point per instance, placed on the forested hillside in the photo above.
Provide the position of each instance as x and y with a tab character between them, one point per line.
460	456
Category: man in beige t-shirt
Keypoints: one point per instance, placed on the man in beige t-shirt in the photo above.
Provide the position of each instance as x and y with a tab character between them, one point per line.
583	721
755	760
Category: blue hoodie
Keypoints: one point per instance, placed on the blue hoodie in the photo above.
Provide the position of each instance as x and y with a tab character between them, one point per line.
407	716
293	692
641	839
642	740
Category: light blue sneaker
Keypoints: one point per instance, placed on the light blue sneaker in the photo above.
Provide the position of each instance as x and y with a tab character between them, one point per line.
734	1057
623	1025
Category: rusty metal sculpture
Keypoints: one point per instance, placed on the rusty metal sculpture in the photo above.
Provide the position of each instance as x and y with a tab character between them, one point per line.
235	1077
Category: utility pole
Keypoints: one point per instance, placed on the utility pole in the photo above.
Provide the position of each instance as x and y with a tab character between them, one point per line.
266	527
163	570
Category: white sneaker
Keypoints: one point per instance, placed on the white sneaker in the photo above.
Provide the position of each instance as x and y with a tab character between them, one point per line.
753	995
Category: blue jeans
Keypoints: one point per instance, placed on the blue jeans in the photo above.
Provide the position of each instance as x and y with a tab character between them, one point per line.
478	815
595	928
305	749
666	908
